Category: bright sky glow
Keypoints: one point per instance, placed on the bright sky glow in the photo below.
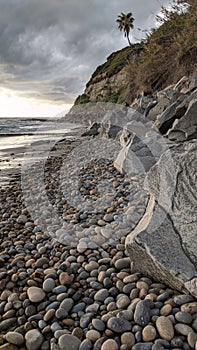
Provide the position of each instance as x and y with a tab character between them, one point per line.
13	106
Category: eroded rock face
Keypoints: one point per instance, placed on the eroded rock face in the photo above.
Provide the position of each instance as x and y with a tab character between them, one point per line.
173	183
164	243
179	120
188	123
139	153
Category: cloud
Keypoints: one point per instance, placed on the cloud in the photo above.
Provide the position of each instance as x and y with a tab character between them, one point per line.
49	49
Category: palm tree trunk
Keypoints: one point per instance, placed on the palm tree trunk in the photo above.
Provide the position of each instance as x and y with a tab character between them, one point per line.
128	40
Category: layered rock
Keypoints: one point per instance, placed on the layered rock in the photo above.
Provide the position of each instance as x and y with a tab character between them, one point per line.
140	153
173	109
164	243
101	90
109	81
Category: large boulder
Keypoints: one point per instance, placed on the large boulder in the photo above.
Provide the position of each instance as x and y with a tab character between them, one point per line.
187	125
164	98
140	150
165	120
179	120
164	243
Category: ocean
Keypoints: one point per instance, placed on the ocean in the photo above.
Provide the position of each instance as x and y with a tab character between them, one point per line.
17	136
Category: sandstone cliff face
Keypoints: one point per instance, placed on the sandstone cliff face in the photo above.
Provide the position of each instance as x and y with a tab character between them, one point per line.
107	88
109	81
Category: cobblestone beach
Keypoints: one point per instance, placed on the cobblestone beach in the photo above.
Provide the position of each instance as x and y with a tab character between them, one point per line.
66	281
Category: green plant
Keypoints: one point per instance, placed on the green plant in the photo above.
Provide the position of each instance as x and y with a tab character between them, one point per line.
170	51
125	24
82	99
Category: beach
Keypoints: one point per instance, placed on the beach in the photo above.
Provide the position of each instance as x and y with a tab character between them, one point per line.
66	280
17	136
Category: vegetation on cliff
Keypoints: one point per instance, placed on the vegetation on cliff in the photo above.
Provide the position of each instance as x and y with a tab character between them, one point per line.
170	52
115	63
167	53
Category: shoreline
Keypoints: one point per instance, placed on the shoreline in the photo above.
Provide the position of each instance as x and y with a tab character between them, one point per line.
11	157
59	296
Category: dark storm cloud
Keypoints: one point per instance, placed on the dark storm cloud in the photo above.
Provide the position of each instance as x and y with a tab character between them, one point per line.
48	49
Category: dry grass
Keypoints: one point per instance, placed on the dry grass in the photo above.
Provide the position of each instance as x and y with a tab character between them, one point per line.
169	53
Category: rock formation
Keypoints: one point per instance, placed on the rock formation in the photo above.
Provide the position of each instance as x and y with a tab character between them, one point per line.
158	143
109	82
164	243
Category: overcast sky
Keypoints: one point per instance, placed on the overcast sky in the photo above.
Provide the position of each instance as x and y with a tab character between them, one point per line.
50	48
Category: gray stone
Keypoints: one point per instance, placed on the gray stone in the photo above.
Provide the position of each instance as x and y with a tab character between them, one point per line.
179	119
92	308
122	263
183	329
98	324
187	124
184	317
183	299
61	313
123	301
101	295
33	339
69	342
48	285
82	247
85	320
165	237
126	314
142	312
78	307
35	294
6	324
173	111
85	345
118	325
67	304
61	332
14	338
98	344
141	152
93	335
93	130
176	342
143	346
22	219
54	305
164	97
157	346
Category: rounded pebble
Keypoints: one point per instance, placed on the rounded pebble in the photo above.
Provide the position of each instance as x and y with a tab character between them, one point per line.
14	338
34	339
165	328
69	342
109	344
149	333
35	294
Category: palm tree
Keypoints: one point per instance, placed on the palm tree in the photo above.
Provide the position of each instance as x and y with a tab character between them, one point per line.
125	24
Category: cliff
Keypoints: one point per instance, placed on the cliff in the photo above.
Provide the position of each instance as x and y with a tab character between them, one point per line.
168	53
108	82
